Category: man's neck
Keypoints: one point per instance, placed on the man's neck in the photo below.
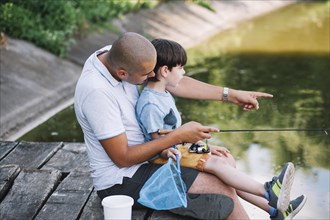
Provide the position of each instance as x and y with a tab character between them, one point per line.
103	58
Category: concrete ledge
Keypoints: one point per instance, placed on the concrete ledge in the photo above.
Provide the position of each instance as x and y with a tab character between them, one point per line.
33	82
181	21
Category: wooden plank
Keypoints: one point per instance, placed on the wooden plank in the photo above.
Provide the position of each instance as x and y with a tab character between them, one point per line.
94	210
30	154
8	173
71	157
5	148
30	190
69	198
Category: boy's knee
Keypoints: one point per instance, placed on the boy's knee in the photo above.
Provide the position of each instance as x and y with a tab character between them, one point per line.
231	160
223	160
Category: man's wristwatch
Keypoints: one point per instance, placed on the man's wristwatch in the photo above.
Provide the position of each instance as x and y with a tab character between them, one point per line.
225	94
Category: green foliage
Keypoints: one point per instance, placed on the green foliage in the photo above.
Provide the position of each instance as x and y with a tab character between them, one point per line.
48	24
52	24
13	18
204	3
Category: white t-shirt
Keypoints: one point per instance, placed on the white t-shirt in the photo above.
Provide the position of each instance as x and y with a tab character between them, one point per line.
105	108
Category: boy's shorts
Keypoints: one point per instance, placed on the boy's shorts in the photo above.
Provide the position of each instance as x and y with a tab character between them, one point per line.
191	160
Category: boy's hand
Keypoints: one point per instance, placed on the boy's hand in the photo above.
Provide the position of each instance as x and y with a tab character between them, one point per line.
171	152
219	151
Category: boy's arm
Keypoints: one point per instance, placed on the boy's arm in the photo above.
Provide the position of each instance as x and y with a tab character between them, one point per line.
194	89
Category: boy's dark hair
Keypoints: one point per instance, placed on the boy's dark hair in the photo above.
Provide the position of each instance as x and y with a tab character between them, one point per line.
169	53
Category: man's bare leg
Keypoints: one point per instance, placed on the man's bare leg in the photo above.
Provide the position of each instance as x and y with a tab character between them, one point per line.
208	183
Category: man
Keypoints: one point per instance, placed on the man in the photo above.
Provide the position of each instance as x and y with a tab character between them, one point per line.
105	99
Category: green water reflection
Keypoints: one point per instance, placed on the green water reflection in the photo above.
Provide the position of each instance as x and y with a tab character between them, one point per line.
301	100
299	28
285	53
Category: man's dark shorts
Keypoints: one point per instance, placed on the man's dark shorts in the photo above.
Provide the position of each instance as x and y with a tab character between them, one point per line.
132	186
200	206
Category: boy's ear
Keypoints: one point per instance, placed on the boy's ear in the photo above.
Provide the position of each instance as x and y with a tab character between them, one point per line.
164	71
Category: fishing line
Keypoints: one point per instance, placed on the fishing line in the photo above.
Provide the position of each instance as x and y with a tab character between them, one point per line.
166	131
279	129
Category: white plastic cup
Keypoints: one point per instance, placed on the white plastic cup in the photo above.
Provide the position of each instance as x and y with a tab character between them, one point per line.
117	207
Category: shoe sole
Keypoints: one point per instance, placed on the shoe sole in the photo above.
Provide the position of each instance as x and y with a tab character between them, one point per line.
206	206
284	196
295	212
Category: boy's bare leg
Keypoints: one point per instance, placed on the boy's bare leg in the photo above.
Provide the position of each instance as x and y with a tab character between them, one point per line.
255	200
258	201
224	170
208	183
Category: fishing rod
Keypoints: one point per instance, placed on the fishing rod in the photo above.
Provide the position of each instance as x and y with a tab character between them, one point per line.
166	131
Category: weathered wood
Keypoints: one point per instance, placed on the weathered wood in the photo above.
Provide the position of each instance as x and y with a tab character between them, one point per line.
30	154
7	175
93	209
5	148
73	156
40	194
69	198
30	190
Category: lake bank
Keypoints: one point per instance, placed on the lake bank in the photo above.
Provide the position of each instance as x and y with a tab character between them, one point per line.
36	84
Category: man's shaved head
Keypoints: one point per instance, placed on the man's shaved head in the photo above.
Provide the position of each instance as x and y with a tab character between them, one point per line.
130	51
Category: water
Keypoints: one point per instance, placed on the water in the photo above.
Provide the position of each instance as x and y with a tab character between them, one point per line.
285	53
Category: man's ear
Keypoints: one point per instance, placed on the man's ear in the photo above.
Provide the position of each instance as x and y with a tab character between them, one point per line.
164	71
122	74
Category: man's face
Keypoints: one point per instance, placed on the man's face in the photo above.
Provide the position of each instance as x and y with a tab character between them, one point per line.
142	76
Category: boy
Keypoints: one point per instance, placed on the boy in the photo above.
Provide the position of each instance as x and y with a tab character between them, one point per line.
156	110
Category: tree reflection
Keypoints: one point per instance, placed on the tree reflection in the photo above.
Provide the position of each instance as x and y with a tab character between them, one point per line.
301	100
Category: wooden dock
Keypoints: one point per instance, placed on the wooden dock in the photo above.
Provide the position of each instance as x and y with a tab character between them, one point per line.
52	181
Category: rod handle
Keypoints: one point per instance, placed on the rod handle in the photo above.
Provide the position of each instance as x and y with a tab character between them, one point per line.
164	131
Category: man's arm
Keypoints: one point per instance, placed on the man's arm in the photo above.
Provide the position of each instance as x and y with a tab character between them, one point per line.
194	89
124	156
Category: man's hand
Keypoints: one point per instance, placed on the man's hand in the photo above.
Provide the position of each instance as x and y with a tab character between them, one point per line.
192	132
246	99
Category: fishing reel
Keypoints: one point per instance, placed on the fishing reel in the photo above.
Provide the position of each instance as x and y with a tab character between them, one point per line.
199	148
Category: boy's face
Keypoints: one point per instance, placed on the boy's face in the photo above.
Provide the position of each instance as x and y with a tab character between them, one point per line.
175	75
